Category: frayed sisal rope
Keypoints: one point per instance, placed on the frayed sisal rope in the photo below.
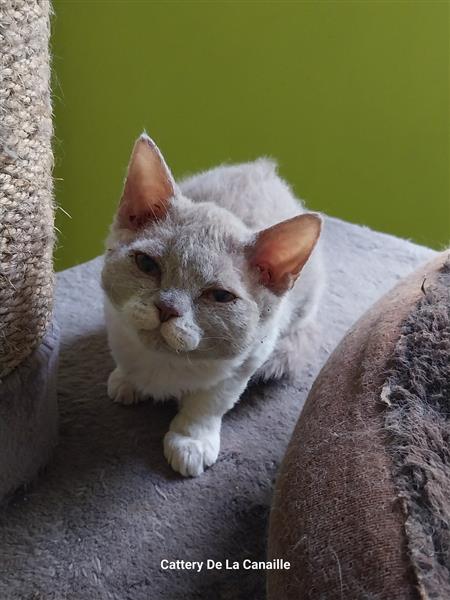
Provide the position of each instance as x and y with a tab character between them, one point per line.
26	192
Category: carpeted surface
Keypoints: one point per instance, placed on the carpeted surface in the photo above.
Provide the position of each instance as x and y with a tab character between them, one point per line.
28	415
108	508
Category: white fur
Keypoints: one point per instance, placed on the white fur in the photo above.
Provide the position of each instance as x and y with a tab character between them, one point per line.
246	198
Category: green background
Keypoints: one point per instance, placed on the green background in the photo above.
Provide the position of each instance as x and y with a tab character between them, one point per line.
352	99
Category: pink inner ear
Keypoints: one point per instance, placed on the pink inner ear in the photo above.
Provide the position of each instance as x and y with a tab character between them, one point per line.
149	187
265	275
280	252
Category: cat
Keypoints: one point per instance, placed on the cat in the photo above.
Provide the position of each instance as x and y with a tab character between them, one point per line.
203	291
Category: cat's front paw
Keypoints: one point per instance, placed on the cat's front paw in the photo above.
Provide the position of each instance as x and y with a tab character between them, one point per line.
190	456
120	390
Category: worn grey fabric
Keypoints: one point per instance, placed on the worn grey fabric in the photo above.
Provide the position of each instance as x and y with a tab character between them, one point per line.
28	415
417	418
108	509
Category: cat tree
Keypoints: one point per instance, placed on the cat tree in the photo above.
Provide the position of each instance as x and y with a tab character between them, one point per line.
28	341
110	508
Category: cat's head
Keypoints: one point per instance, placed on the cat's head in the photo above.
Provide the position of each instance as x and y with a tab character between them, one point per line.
189	277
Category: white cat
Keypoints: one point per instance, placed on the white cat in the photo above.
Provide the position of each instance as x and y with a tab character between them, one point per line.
202	291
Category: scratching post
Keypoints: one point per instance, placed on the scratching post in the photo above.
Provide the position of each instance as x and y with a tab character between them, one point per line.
25	182
28	341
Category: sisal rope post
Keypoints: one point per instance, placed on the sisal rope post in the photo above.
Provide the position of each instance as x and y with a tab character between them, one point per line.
26	190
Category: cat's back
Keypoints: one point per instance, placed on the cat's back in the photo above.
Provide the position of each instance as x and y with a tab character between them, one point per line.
251	191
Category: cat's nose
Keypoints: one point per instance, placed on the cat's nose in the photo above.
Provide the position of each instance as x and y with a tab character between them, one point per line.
166	311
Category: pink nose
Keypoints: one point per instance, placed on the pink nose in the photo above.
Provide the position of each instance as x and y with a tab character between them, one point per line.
166	311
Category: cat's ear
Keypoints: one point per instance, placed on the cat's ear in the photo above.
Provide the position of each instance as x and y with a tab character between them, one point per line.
149	186
281	251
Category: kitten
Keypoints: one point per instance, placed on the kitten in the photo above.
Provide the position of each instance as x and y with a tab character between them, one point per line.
202	291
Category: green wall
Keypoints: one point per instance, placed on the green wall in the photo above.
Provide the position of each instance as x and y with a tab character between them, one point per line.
352	98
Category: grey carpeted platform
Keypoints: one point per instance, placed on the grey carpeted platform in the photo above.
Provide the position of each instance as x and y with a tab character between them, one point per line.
28	415
108	508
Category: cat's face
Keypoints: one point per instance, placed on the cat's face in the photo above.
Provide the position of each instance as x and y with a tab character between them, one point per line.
190	278
184	285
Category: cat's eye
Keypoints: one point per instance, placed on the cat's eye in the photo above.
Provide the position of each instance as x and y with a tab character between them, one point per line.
146	264
219	295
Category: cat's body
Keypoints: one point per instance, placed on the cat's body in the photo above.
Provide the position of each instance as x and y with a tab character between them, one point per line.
174	332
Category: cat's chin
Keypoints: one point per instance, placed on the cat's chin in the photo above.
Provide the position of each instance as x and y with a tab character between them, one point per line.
153	340
162	341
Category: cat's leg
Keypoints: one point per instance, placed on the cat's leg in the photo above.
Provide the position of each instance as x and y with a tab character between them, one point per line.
193	440
120	388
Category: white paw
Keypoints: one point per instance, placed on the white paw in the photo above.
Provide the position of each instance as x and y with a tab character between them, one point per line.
120	390
190	456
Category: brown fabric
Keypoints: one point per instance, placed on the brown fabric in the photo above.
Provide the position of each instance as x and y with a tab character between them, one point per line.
336	514
26	209
416	394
